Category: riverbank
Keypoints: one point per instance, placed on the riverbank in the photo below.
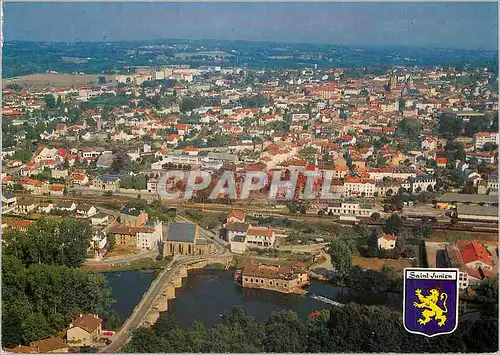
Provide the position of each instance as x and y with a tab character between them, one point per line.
141	264
206	294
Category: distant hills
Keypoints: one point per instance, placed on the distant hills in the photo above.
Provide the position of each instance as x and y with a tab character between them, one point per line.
22	58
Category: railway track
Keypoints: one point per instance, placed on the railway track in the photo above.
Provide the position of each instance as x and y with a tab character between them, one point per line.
267	212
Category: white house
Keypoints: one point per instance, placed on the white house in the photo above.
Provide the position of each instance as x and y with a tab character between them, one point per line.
66	206
86	210
260	237
150	235
387	241
99	219
46	207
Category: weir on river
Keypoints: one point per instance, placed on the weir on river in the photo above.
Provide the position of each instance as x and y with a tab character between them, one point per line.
205	294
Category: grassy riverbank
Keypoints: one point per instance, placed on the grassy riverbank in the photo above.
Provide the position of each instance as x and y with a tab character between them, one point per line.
141	264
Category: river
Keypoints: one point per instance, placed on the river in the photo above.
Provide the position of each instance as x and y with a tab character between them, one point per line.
128	288
206	294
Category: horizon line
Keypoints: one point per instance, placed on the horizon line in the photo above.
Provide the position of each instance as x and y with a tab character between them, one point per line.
496	50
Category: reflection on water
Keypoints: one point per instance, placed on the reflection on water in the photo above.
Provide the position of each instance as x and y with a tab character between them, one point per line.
128	288
206	294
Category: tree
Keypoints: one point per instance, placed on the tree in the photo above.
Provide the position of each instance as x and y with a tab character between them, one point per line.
51	242
35	327
489	147
477	124
111	240
372	245
75	238
59	103
450	125
319	337
375	216
357	328
340	254
487	291
41	298
393	224
283	333
352	328
410	127
50	101
190	103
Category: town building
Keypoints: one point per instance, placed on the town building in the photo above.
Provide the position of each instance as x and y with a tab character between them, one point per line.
351	207
26	207
285	279
236	217
184	239
84	330
106	182
131	216
99	219
49	345
481	138
85	210
68	206
9	201
386	241
473	261
473	213
45	207
145	237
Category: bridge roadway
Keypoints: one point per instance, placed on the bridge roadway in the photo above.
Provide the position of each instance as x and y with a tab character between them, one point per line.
121	337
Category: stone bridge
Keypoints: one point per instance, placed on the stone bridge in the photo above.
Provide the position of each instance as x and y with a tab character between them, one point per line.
160	304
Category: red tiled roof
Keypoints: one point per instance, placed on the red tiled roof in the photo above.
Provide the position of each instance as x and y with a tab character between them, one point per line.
387	236
49	345
18	223
475	273
25	180
473	251
24	349
260	232
237	214
87	322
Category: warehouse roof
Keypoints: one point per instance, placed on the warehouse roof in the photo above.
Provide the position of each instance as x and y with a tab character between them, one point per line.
463	198
477	210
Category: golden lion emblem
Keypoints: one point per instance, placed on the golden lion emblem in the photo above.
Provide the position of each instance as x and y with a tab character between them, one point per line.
433	310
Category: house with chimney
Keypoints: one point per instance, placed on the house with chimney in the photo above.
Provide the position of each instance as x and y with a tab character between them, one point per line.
84	330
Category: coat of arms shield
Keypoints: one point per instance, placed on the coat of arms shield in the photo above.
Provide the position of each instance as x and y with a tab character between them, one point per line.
430	301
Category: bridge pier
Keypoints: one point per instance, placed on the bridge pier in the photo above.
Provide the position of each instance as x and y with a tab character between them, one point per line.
151	318
169	292
177	281
160	303
183	271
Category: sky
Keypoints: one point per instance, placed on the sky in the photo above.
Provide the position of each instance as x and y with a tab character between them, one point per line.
437	25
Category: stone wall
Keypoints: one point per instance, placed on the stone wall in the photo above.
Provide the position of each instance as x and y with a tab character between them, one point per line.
161	302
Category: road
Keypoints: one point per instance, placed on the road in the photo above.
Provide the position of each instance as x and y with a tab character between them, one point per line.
121	259
206	234
140	311
304	248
